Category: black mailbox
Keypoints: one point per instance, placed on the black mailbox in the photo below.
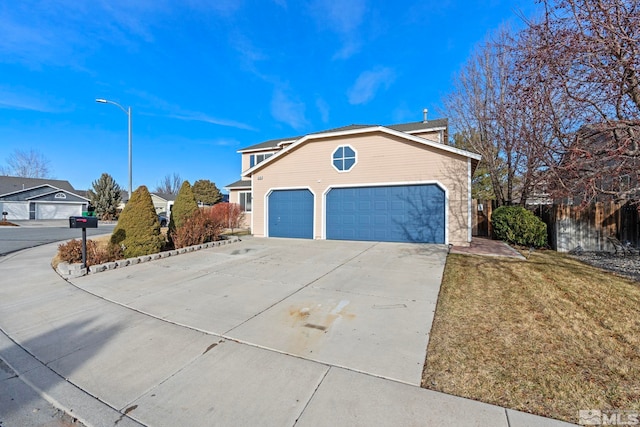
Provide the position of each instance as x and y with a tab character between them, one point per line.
83	222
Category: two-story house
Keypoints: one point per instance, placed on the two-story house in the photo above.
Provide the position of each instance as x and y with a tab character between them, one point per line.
398	183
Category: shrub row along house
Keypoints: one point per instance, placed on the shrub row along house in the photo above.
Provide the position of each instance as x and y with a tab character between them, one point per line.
398	183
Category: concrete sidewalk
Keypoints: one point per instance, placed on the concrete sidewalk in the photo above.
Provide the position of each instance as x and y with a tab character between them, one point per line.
134	347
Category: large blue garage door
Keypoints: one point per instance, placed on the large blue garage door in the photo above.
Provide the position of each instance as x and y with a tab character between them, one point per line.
403	213
291	214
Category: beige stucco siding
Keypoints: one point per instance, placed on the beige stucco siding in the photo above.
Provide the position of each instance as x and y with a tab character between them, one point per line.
245	161
381	159
234	197
435	136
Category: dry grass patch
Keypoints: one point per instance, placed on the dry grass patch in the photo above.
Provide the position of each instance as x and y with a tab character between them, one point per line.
548	336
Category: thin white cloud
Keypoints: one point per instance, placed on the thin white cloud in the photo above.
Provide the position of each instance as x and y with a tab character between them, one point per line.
369	83
341	16
349	49
344	18
246	49
323	108
22	100
201	117
64	32
225	142
176	112
287	110
220	7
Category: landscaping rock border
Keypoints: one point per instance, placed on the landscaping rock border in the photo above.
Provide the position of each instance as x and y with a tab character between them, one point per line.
627	266
70	271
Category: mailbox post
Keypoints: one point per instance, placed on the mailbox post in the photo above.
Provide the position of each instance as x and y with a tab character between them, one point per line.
83	222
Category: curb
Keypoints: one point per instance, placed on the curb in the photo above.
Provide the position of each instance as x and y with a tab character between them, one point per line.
72	271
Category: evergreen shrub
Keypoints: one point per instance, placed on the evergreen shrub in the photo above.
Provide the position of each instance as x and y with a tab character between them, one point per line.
138	228
517	225
183	207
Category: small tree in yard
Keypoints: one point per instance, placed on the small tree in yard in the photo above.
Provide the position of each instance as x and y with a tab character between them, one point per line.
105	197
138	229
230	215
206	192
184	207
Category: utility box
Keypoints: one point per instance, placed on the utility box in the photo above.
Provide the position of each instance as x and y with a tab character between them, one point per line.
83	222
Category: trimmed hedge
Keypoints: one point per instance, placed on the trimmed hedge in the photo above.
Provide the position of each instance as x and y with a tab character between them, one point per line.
517	225
138	229
184	207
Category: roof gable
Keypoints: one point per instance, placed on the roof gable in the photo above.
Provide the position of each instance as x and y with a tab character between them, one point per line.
38	192
165	196
12	184
53	196
413	127
359	131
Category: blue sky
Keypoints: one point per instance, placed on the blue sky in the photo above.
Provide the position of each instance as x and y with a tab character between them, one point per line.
206	78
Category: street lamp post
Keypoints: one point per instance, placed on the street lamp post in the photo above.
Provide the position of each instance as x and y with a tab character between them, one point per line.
128	113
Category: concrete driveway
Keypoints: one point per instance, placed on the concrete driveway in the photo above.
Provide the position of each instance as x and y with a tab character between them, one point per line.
361	305
261	332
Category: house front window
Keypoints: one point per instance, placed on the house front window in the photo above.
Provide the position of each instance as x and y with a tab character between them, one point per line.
344	158
245	201
254	159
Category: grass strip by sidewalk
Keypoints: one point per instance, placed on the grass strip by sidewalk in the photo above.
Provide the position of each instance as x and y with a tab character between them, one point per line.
549	335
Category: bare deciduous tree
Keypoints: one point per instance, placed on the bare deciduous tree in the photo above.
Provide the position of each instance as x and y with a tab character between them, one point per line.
169	184
581	62
27	164
491	119
537	103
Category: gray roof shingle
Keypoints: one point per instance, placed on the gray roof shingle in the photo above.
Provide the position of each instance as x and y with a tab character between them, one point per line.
11	184
410	127
402	127
239	184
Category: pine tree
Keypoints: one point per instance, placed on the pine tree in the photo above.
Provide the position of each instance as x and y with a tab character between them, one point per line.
138	228
105	197
206	192
183	207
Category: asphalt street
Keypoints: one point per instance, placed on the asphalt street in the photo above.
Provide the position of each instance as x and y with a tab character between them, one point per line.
29	234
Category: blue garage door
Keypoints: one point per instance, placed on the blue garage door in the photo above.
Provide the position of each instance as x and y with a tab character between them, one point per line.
291	214
403	213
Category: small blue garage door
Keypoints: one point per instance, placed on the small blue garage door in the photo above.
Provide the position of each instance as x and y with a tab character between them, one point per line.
403	213
291	214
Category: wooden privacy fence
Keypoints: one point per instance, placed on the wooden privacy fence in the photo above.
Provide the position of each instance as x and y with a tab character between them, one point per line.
571	226
481	217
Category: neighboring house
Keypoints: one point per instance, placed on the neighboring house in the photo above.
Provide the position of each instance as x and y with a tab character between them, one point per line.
124	198
602	163
163	202
399	183
33	198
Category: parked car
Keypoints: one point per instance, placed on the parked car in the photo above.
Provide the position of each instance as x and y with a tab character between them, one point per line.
163	219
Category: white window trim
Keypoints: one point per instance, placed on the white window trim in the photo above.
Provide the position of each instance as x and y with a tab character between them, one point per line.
245	203
254	156
355	158
60	196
